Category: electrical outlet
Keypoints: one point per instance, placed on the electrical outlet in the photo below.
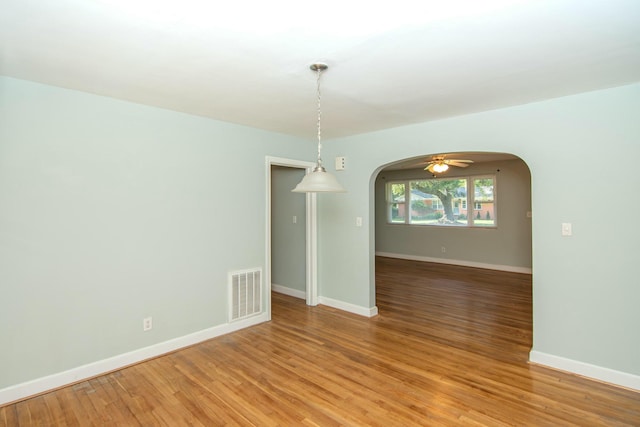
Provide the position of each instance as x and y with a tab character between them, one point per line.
443	249
147	324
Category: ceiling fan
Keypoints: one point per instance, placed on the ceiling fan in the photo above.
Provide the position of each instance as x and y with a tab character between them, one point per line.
439	164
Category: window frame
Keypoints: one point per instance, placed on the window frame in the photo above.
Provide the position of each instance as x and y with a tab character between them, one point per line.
390	201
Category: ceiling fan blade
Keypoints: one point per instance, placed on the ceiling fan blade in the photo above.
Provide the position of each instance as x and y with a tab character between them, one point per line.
459	163
413	165
430	167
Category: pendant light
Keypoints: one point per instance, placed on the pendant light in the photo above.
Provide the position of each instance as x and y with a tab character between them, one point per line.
319	180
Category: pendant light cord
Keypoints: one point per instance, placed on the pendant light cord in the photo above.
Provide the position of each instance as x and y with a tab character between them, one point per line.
319	119
319	180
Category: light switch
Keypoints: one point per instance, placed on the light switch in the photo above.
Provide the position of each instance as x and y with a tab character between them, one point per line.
295	219
358	221
566	229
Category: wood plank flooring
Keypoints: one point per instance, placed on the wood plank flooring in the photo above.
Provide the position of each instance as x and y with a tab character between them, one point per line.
449	347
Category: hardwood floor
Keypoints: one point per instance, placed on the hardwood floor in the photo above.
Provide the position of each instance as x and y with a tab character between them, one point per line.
449	347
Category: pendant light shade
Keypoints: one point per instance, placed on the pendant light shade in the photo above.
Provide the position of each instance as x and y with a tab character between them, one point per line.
319	180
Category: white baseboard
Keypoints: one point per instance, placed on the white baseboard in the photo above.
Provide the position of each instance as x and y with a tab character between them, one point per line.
288	291
510	268
586	370
101	367
351	308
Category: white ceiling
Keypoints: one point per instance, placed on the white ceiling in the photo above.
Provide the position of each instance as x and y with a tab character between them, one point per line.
247	62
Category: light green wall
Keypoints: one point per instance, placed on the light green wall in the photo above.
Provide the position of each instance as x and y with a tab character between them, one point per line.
288	249
507	245
112	211
586	288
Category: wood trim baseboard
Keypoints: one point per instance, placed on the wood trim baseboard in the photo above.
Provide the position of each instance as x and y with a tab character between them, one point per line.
611	376
296	293
509	268
351	308
81	373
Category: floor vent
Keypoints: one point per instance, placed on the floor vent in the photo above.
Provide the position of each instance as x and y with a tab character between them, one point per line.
245	294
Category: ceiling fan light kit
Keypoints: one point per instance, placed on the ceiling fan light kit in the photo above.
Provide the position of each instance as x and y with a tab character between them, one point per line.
319	180
440	164
440	167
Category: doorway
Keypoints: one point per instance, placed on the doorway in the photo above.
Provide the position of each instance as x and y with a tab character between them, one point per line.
487	226
291	241
487	223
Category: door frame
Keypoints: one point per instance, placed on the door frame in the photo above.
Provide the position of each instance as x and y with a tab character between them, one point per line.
311	231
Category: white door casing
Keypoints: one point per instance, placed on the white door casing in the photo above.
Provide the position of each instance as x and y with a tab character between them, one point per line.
311	280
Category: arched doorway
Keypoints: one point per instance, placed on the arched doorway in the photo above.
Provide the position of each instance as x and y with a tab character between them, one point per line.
487	225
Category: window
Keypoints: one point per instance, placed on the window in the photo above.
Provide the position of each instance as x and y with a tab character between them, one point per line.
442	202
396	202
484	202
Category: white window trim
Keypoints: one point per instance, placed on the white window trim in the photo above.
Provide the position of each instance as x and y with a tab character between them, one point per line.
389	202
